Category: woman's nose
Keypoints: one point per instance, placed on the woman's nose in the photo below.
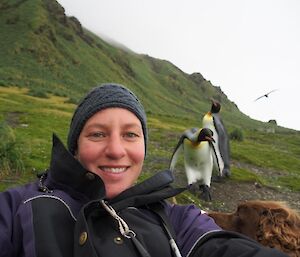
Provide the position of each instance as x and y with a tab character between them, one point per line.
115	148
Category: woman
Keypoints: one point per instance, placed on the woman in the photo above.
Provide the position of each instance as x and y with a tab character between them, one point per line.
87	203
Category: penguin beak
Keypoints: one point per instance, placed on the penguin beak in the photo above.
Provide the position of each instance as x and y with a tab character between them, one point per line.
213	101
209	139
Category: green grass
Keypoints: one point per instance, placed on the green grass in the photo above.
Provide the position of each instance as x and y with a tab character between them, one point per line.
48	53
47	63
10	154
35	119
244	175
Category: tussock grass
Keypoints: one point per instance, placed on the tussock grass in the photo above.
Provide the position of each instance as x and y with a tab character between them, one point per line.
244	175
46	54
35	119
11	163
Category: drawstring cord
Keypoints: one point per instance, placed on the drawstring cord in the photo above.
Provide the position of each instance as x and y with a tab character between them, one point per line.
172	242
123	227
128	233
125	231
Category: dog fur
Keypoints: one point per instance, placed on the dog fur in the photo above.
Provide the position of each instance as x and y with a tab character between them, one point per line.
271	223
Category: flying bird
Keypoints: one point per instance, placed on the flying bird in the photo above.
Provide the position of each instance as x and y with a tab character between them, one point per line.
197	148
265	95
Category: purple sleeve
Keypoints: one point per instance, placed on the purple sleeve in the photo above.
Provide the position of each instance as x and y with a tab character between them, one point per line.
189	225
13	219
6	224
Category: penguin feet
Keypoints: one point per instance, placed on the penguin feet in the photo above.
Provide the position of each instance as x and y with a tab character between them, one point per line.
217	179
226	173
193	188
205	193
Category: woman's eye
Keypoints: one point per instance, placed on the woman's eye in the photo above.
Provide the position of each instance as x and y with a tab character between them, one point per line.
131	135
97	135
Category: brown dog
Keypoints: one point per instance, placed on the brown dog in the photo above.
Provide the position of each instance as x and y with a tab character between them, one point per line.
270	223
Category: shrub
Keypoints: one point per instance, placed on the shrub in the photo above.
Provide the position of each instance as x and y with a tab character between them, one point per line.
3	83
10	156
38	93
237	134
71	100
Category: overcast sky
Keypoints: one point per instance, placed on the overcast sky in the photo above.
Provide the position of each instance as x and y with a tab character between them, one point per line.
246	47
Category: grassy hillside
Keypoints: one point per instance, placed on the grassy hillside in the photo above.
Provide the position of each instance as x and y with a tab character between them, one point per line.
48	61
34	119
47	52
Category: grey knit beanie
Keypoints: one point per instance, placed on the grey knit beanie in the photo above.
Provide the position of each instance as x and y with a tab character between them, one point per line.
101	97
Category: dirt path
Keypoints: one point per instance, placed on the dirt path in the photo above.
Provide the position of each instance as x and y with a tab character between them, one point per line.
227	194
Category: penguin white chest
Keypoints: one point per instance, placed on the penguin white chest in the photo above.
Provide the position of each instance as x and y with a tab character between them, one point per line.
198	162
197	156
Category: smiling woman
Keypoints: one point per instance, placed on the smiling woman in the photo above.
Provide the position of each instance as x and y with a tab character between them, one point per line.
87	202
111	145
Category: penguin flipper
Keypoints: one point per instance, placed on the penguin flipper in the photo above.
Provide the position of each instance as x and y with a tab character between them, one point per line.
178	149
218	123
223	143
187	134
215	158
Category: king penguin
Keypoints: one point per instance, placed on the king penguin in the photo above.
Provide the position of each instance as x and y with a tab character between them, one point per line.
198	158
213	121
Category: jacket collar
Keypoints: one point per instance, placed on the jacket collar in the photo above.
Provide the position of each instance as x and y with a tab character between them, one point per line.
66	173
154	189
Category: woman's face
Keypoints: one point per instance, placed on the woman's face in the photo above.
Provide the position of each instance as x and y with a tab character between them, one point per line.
111	145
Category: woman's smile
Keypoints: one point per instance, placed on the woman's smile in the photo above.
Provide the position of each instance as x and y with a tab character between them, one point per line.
113	169
111	145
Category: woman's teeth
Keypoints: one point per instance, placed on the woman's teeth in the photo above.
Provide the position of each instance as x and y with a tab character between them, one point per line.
113	170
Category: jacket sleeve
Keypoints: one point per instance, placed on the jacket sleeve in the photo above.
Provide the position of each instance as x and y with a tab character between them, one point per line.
189	225
231	244
6	224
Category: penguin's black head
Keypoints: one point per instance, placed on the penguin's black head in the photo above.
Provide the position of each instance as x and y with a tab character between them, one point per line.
205	134
215	106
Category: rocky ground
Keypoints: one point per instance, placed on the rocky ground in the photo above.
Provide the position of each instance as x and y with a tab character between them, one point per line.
228	193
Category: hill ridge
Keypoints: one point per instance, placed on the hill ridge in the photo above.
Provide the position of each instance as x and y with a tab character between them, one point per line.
49	52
